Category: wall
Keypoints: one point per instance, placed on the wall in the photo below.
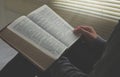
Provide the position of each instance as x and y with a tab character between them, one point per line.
12	9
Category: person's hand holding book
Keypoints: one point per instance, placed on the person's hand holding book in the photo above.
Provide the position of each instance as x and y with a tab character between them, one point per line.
87	31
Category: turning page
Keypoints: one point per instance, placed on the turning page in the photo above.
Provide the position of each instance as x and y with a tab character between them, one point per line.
47	19
35	35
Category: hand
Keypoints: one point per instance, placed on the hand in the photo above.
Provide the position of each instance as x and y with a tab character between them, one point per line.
87	31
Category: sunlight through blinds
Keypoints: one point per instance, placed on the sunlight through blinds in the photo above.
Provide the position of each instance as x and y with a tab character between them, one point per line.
105	9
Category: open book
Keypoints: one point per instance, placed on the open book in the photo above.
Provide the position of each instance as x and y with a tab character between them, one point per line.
42	36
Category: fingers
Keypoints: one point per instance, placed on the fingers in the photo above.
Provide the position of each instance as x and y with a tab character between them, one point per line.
87	28
86	31
77	30
80	29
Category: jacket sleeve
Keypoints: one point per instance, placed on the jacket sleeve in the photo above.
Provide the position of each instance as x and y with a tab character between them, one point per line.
97	45
98	42
63	68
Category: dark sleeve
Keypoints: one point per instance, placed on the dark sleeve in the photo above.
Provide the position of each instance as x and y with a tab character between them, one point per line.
98	45
99	42
63	68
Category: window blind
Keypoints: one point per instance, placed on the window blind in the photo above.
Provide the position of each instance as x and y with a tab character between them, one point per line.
105	9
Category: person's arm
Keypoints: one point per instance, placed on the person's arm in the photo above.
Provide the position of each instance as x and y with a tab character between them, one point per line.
99	42
94	42
90	36
63	68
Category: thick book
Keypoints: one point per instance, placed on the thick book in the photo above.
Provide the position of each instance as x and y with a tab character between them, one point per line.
42	36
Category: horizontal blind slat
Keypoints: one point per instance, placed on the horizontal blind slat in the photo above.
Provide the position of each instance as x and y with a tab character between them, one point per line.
100	8
86	13
92	8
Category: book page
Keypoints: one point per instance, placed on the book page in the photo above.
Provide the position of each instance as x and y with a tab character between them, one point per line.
32	33
7	53
53	24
